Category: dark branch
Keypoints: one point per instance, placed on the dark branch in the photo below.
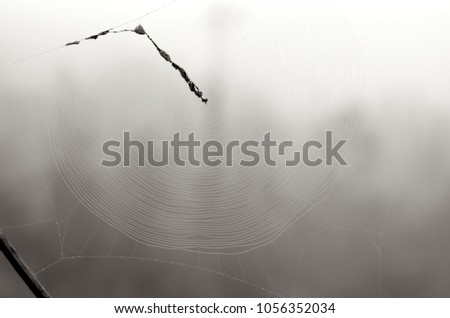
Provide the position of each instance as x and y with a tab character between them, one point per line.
21	268
140	30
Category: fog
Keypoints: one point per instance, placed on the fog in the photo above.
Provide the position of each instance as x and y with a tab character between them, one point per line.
373	73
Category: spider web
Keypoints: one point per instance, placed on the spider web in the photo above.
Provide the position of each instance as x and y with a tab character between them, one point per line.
272	270
61	238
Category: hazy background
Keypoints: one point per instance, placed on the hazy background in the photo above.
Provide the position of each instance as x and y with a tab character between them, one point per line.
375	73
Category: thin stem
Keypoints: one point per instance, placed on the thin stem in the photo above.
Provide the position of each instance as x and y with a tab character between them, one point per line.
21	268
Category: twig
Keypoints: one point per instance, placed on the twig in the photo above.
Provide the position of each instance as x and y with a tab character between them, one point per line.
140	31
21	268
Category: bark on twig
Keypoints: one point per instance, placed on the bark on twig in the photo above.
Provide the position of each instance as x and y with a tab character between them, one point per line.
140	30
21	268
